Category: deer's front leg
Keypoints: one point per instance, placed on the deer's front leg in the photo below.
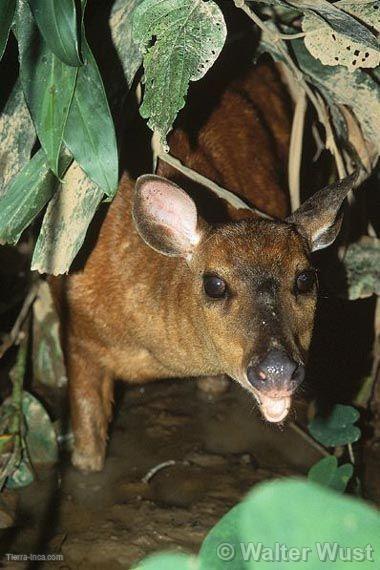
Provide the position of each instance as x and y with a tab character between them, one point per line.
91	397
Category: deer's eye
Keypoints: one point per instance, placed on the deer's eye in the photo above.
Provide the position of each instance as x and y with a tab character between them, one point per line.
305	281
214	286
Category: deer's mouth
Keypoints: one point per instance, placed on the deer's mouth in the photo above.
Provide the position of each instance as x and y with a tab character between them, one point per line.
274	407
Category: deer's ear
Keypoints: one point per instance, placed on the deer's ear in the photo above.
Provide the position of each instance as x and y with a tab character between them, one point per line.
319	218
165	216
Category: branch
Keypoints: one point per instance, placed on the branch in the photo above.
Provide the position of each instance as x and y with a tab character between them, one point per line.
243	6
152	472
291	36
226	195
295	150
301	432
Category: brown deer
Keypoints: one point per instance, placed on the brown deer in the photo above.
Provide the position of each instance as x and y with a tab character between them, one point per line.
165	293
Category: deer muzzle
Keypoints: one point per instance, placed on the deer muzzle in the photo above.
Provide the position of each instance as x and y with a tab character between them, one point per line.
274	381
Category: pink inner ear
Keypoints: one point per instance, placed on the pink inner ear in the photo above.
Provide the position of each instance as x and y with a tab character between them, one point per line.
166	204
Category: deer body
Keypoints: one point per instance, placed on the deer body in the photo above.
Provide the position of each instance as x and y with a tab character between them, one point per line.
166	294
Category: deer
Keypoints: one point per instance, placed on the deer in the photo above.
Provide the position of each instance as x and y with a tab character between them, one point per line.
167	293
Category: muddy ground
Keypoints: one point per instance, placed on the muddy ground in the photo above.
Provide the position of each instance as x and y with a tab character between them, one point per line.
220	448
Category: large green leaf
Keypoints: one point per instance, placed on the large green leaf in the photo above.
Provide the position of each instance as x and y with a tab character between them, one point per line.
37	434
48	362
188	37
17	136
333	48
317	523
358	90
40	436
121	30
7	9
221	547
22	475
168	561
66	222
57	21
366	11
48	84
340	21
327	472
90	133
39	441
337	428
26	195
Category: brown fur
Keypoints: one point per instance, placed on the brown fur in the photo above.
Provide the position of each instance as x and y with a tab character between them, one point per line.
244	144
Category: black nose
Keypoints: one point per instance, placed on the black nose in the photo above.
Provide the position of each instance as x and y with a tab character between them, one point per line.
276	372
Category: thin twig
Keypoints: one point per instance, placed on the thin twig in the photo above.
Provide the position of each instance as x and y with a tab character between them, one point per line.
318	142
295	150
291	36
310	440
156	149
351	453
230	197
13	336
279	36
152	472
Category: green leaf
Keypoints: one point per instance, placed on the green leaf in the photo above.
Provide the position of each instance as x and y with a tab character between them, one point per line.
121	30
189	35
333	48
337	428
366	11
221	547
26	195
48	85
39	440
362	264
90	133
66	222
40	436
168	561
48	362
326	472
17	136
276	3
21	476
7	9
357	90
303	515
340	21
57	21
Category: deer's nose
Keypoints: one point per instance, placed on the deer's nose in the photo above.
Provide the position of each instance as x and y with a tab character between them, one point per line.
277	371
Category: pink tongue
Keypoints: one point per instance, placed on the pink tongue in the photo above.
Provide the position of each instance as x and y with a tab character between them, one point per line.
275	409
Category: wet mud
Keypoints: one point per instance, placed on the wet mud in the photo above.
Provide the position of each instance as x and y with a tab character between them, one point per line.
208	453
